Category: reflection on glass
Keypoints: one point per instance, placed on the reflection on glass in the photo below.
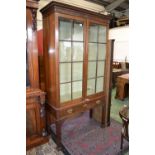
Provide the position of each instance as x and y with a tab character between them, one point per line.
77	71
77	51
91	69
92	53
65	51
65	72
102	34
77	89
90	86
65	92
78	32
65	30
99	85
100	68
93	33
101	51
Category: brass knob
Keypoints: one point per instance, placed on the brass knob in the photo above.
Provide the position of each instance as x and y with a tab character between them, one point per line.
69	111
87	99
98	101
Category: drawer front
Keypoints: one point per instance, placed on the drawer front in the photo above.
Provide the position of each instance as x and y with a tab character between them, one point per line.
70	111
88	104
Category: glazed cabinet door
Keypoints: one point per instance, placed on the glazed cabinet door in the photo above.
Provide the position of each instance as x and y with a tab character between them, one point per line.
71	58
32	120
97	42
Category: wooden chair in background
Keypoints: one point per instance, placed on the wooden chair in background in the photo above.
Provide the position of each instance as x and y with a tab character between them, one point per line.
124	114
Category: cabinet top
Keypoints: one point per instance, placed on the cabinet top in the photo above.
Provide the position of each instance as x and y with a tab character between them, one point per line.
64	8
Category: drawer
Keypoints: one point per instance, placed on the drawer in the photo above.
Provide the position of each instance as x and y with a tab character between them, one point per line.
93	102
70	111
88	104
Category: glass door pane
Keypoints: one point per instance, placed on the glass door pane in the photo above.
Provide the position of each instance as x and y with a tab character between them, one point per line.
100	68
65	30
65	72
101	51
91	69
77	69
90	86
77	49
102	34
96	58
99	85
92	55
77	89
93	35
71	50
65	92
65	51
77	31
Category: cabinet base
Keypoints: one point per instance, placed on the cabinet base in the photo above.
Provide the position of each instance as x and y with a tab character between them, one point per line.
37	141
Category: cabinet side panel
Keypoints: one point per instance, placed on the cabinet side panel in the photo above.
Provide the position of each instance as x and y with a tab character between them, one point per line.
49	57
32	49
108	84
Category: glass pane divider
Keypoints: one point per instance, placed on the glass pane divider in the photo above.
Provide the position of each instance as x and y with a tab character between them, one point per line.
72	29
66	82
95	77
71	62
97	59
99	76
96	42
101	60
73	81
71	41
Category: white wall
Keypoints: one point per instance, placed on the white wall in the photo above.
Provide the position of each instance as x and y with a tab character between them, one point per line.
121	44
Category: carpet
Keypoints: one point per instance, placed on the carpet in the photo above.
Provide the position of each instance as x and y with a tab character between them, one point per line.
84	136
116	105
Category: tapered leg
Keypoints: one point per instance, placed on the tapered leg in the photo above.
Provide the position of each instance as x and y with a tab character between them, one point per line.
103	117
121	141
91	113
58	134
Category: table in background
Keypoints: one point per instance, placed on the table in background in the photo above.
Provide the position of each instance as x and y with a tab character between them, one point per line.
116	73
122	86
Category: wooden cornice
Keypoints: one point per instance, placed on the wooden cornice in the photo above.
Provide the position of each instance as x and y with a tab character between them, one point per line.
61	6
32	4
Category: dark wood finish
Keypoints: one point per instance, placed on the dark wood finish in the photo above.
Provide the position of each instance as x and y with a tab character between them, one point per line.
111	48
35	98
116	73
124	114
58	112
41	73
122	88
117	70
35	118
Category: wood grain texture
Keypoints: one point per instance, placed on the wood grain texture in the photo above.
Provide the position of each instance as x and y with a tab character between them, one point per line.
57	112
35	98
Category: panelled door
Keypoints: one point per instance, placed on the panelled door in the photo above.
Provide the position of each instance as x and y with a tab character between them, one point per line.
72	55
97	40
71	59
